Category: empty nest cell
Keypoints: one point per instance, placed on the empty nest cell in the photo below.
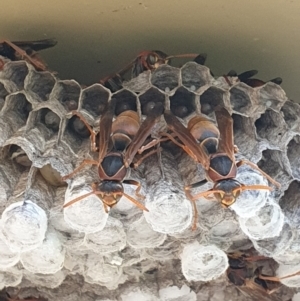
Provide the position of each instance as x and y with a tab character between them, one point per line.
67	93
290	204
126	100
240	100
18	107
291	115
39	85
75	133
210	99
165	78
149	99
182	103
195	76
3	94
271	126
293	154
15	72
94	99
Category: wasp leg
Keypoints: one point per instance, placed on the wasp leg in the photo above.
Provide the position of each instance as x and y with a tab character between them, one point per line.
93	134
94	191
195	210
134	201
151	144
193	198
84	163
254	166
185	148
24	55
137	191
139	162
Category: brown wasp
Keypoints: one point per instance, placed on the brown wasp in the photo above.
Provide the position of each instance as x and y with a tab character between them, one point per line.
214	149
145	60
119	142
26	50
245	77
245	272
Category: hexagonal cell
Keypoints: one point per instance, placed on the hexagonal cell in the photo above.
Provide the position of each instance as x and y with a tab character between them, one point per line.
240	98
94	99
18	155
38	85
195	76
75	133
149	98
139	84
10	173
3	94
16	73
17	104
13	115
244	135
291	114
272	163
165	78
289	203
293	154
67	93
182	103
46	122
272	96
271	126
126	100
211	98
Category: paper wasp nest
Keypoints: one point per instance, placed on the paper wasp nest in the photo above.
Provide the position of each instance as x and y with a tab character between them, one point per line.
82	253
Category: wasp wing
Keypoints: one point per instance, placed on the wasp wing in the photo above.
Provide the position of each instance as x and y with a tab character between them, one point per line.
137	67
225	125
257	292
199	154
105	128
143	132
36	45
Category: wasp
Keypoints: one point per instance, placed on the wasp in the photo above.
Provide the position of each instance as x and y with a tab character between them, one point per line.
245	272
145	60
26	50
213	147
245	77
119	142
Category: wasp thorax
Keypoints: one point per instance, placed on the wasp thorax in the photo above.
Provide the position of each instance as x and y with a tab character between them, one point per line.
204	131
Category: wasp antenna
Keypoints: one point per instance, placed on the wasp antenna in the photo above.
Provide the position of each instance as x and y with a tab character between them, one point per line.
78	199
253	187
135	202
187	55
203	194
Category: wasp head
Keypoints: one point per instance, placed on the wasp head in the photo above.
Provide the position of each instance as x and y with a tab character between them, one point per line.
227	191
112	191
156	58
